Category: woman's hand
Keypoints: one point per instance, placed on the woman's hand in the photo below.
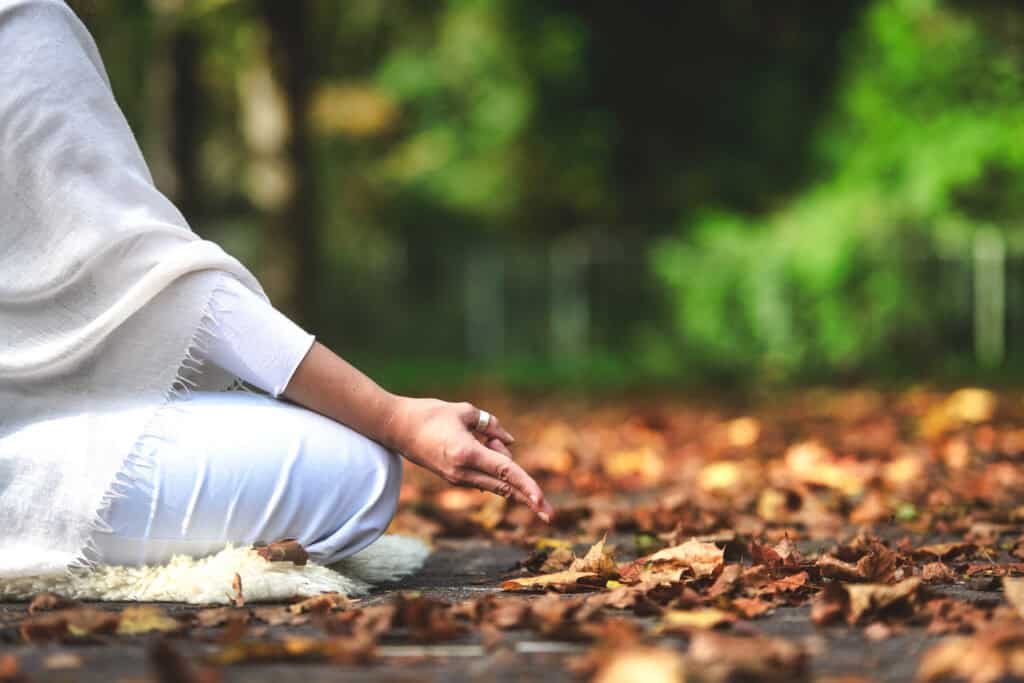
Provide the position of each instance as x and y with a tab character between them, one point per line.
430	433
438	436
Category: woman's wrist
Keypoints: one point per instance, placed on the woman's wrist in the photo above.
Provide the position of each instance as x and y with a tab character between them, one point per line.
395	429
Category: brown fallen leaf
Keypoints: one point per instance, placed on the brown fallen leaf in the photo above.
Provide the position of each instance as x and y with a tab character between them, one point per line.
750	608
995	654
218	616
968	405
428	620
685	621
507	613
865	559
937	572
954	616
146	619
834	568
703	559
567	581
278	616
647	664
787	584
60	660
563	617
87	621
351	650
44	627
783	555
596	561
171	666
320	604
236	586
76	622
868	599
720	657
10	669
879	631
557	560
45	602
286	550
726	581
1013	588
943	551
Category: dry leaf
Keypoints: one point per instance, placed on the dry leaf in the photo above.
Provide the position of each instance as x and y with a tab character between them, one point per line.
287	550
943	551
596	561
871	598
750	608
720	657
567	581
937	572
61	660
995	654
87	621
44	627
646	664
146	619
45	602
704	559
1014	590
236	586
320	604
674	621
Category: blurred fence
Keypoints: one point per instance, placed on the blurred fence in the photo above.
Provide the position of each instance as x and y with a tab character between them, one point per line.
488	303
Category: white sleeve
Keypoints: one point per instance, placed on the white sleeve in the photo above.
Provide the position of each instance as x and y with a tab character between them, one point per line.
253	340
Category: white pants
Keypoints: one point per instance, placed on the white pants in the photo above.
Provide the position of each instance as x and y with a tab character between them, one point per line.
248	468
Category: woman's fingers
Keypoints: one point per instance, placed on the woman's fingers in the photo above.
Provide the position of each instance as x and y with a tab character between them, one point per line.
481	481
545	507
471	418
496	464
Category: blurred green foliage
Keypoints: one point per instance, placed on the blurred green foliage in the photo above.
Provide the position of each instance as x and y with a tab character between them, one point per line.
924	147
783	189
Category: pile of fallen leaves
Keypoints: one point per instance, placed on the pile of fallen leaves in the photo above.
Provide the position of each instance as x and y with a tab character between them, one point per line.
679	530
895	498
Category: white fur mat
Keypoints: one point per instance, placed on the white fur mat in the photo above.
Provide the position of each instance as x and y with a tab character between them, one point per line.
209	580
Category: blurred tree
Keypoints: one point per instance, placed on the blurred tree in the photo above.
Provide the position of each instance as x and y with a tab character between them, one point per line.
290	198
187	111
923	148
358	155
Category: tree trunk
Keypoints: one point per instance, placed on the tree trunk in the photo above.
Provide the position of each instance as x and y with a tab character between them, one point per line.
186	106
290	232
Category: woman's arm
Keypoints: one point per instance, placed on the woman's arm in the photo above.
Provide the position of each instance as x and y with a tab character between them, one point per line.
254	341
431	433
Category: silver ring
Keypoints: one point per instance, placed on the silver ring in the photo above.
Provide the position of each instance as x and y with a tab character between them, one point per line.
484	421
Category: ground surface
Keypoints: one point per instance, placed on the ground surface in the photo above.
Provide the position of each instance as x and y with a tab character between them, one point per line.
831	536
455	573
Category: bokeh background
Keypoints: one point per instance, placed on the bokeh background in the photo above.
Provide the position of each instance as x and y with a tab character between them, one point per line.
589	194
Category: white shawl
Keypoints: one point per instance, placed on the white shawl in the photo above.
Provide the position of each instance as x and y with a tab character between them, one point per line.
104	289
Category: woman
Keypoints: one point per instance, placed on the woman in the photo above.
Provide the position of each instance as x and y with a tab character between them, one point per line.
121	332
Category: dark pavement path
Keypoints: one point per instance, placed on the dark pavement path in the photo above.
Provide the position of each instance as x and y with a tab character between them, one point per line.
457	571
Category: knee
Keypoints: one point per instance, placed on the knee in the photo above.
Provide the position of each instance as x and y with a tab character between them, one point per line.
388	466
371	499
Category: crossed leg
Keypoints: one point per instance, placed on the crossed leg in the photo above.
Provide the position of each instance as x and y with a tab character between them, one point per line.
247	468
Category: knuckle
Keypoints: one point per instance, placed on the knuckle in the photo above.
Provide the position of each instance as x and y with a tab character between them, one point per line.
504	490
503	472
